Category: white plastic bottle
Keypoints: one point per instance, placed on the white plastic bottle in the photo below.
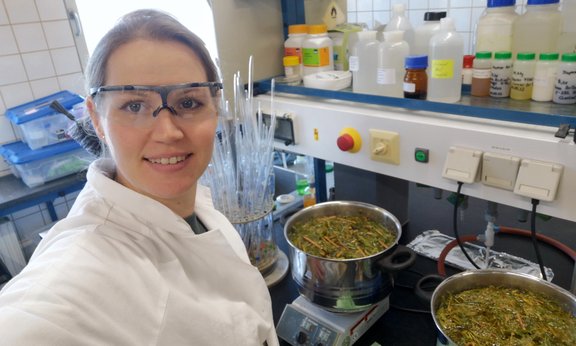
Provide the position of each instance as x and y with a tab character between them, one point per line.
501	74
545	77
523	76
424	32
446	51
538	29
391	56
494	28
293	44
399	21
565	88
317	50
567	39
364	63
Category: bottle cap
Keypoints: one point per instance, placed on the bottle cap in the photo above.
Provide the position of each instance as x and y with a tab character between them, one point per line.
549	56
468	61
301	186
542	2
503	55
483	55
434	16
317	29
416	61
501	3
291	60
525	56
298	29
569	57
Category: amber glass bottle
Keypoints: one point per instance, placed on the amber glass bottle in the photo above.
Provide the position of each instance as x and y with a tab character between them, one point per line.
416	79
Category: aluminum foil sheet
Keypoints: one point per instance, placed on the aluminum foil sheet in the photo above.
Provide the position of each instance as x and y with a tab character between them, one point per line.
431	243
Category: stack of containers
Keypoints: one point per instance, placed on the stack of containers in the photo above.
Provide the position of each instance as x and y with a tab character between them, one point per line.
45	152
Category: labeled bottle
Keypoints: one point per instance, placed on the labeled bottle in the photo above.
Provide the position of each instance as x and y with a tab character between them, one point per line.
545	77
501	74
424	32
400	22
291	70
467	66
481	73
317	54
565	87
416	79
446	50
293	44
538	29
364	63
494	28
390	70
522	76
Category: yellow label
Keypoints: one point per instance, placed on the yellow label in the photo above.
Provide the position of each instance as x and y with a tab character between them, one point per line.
442	69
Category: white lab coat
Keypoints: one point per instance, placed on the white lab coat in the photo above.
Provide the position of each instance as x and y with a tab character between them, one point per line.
123	269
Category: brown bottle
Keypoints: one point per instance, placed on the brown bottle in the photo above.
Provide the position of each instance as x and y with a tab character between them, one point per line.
416	79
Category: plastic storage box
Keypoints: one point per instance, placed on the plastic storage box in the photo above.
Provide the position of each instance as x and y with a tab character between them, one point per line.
39	124
36	167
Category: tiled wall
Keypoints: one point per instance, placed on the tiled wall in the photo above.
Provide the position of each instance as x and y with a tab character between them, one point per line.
464	12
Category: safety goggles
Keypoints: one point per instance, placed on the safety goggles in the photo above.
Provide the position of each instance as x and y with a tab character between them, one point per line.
139	105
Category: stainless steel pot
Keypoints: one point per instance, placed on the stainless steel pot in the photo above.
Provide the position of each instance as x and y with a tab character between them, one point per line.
347	285
485	277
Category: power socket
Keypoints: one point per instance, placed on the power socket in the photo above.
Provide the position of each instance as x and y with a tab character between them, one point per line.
538	179
462	165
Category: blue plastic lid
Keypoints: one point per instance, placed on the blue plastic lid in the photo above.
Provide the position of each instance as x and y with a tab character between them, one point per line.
543	2
18	153
416	61
41	107
501	3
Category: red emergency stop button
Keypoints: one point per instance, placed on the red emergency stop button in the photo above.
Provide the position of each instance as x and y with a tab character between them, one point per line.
349	140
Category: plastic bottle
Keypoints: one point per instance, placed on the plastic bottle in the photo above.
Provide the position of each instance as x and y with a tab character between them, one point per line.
538	29
567	39
481	72
467	65
494	28
293	44
317	50
565	87
446	50
364	63
522	76
545	77
399	21
415	79
390	70
291	70
424	32
501	74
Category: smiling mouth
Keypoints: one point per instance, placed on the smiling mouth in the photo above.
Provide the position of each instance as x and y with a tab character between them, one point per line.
169	160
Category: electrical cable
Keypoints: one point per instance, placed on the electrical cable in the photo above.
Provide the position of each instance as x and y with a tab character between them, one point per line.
441	267
535	240
455	226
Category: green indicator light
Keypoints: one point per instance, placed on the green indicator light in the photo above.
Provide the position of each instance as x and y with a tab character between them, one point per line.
421	155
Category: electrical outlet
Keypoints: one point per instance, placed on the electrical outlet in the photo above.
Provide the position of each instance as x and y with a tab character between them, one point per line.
385	146
500	170
462	165
539	180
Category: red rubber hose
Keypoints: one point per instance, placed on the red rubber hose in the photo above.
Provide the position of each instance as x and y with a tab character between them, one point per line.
446	250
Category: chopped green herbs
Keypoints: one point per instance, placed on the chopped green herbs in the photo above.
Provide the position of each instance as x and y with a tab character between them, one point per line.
341	237
505	316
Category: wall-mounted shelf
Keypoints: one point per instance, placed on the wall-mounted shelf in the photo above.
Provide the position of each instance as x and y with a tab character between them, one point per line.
505	109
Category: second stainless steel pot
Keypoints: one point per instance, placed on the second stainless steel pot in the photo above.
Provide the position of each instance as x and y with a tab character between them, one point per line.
346	285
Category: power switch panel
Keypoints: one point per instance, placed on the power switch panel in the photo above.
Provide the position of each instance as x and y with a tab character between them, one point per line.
500	170
539	180
462	165
385	146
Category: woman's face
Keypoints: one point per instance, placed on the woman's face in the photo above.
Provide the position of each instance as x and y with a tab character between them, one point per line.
164	159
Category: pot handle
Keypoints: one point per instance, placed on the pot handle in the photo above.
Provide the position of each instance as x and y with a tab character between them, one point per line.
426	286
403	257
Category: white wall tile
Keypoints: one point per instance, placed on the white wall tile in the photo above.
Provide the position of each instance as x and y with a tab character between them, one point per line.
439	5
38	65
66	60
416	17
8	42
11	70
350	6
44	87
21	11
366	18
381	18
461	18
51	9
30	37
461	3
3	16
352	17
73	82
58	34
381	5
16	94
364	5
418	5
6	133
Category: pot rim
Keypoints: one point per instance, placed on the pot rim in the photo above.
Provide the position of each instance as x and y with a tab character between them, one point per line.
364	205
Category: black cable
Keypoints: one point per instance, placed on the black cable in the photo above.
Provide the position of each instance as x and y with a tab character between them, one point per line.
455	226
534	239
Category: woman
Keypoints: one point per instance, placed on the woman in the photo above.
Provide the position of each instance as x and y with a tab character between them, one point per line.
143	258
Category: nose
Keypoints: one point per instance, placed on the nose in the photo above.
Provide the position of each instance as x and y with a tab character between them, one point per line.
166	128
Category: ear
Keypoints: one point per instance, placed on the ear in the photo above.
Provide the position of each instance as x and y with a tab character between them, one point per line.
96	121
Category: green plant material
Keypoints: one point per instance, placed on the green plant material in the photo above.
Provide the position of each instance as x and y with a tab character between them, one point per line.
341	237
505	316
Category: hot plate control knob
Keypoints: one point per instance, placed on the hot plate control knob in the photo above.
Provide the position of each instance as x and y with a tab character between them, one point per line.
349	140
301	338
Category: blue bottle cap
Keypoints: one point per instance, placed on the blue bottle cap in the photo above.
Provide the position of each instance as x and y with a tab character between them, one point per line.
501	3
416	61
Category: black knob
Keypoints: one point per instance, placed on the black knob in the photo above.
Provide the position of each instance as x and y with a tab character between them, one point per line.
301	338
